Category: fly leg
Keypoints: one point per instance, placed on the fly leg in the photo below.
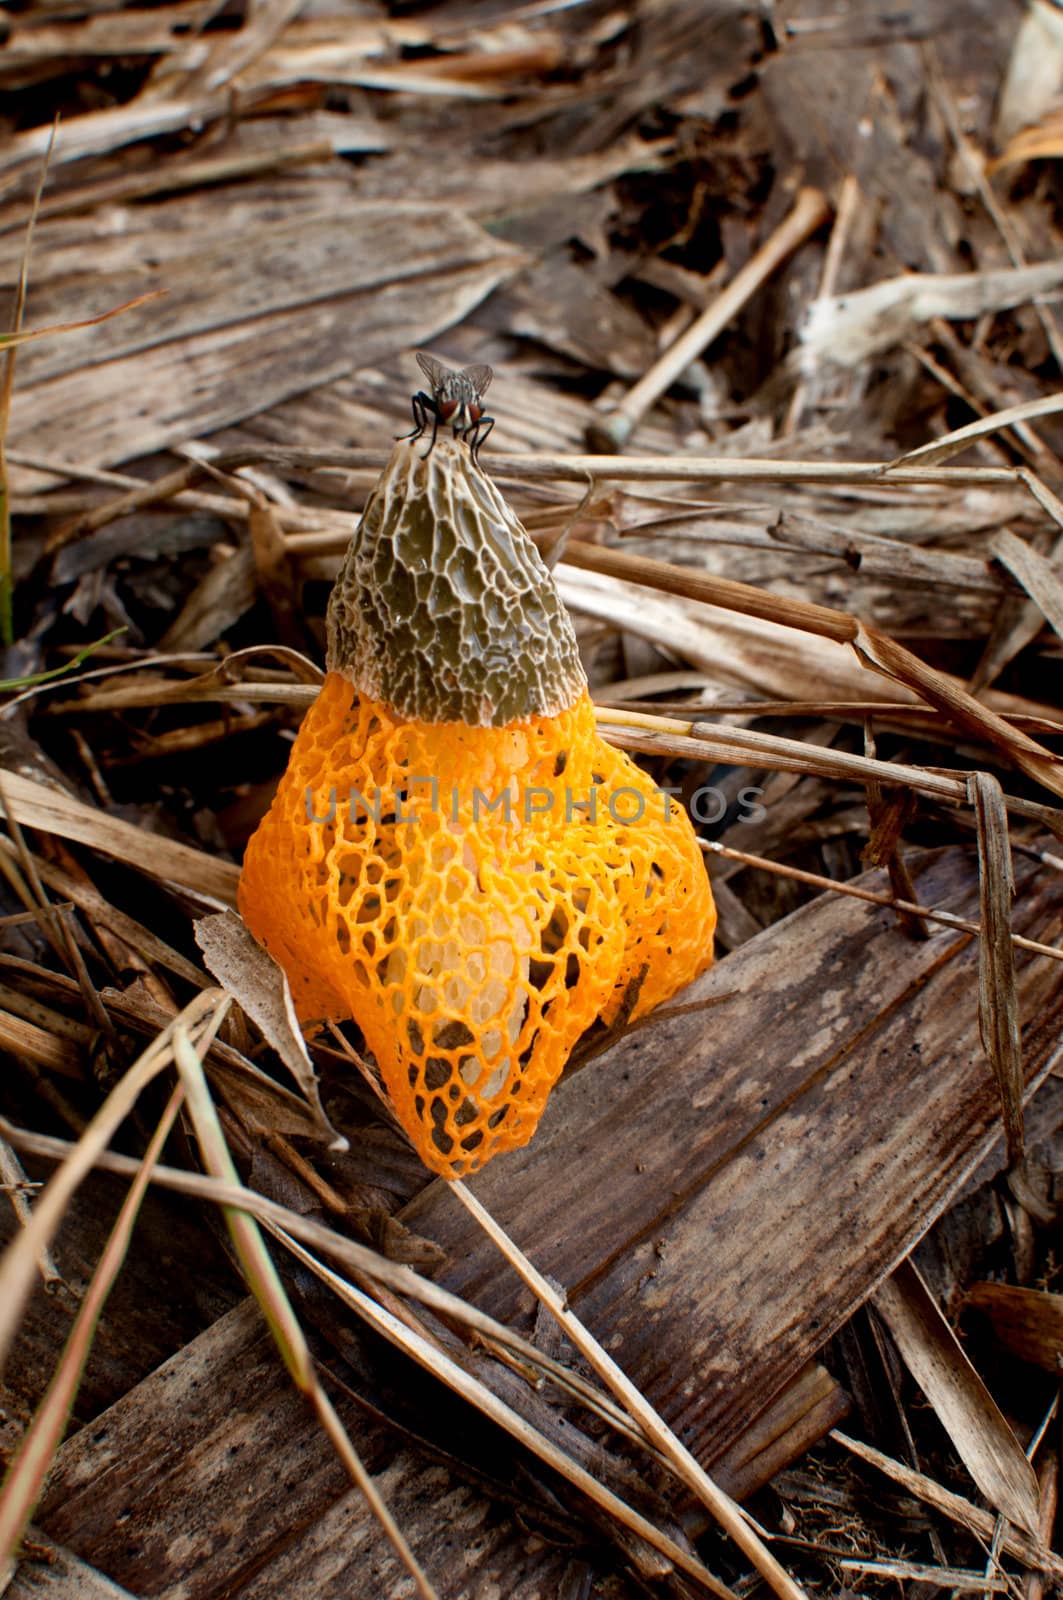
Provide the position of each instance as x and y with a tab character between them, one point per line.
423	407
476	433
435	429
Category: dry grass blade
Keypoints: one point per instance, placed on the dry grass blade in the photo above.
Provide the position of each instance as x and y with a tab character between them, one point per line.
35	805
268	1290
56	927
635	730
874	648
15	340
392	1278
18	1266
1037	575
102	913
953	444
29	1465
956	1580
998	1006
437	1362
704	469
1015	1541
17	1189
946	696
906	908
730	1516
1046	498
963	1404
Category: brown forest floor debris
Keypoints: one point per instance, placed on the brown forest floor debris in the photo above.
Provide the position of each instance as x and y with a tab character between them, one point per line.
801	265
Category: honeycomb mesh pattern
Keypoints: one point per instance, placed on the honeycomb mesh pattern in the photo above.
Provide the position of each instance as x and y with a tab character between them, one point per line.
544	884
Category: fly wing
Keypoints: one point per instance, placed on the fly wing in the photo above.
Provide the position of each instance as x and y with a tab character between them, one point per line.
480	377
436	373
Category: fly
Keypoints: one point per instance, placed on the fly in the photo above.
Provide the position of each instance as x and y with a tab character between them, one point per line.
456	398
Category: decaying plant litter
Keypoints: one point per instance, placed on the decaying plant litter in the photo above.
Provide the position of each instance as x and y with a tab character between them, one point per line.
770	295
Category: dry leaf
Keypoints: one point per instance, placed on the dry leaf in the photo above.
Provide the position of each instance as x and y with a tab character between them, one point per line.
259	987
964	1406
1031	83
1027	1322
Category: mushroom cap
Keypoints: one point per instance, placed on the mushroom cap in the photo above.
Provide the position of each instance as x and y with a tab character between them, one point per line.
443	607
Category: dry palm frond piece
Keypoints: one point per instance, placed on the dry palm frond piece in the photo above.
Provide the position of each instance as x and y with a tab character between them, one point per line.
454	858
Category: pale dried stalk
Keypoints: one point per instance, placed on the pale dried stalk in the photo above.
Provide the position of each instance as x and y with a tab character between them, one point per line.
958	1580
909	907
441	1366
981	1523
634	730
848	196
729	1515
875	649
998	1003
265	1284
530	469
19	1263
645	469
361	1261
810	211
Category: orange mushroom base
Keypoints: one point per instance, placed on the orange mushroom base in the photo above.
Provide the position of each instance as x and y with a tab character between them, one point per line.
474	898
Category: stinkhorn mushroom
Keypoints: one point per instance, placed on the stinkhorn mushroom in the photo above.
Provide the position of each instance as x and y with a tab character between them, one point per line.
454	859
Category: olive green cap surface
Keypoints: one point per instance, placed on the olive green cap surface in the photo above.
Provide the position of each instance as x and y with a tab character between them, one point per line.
443	608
